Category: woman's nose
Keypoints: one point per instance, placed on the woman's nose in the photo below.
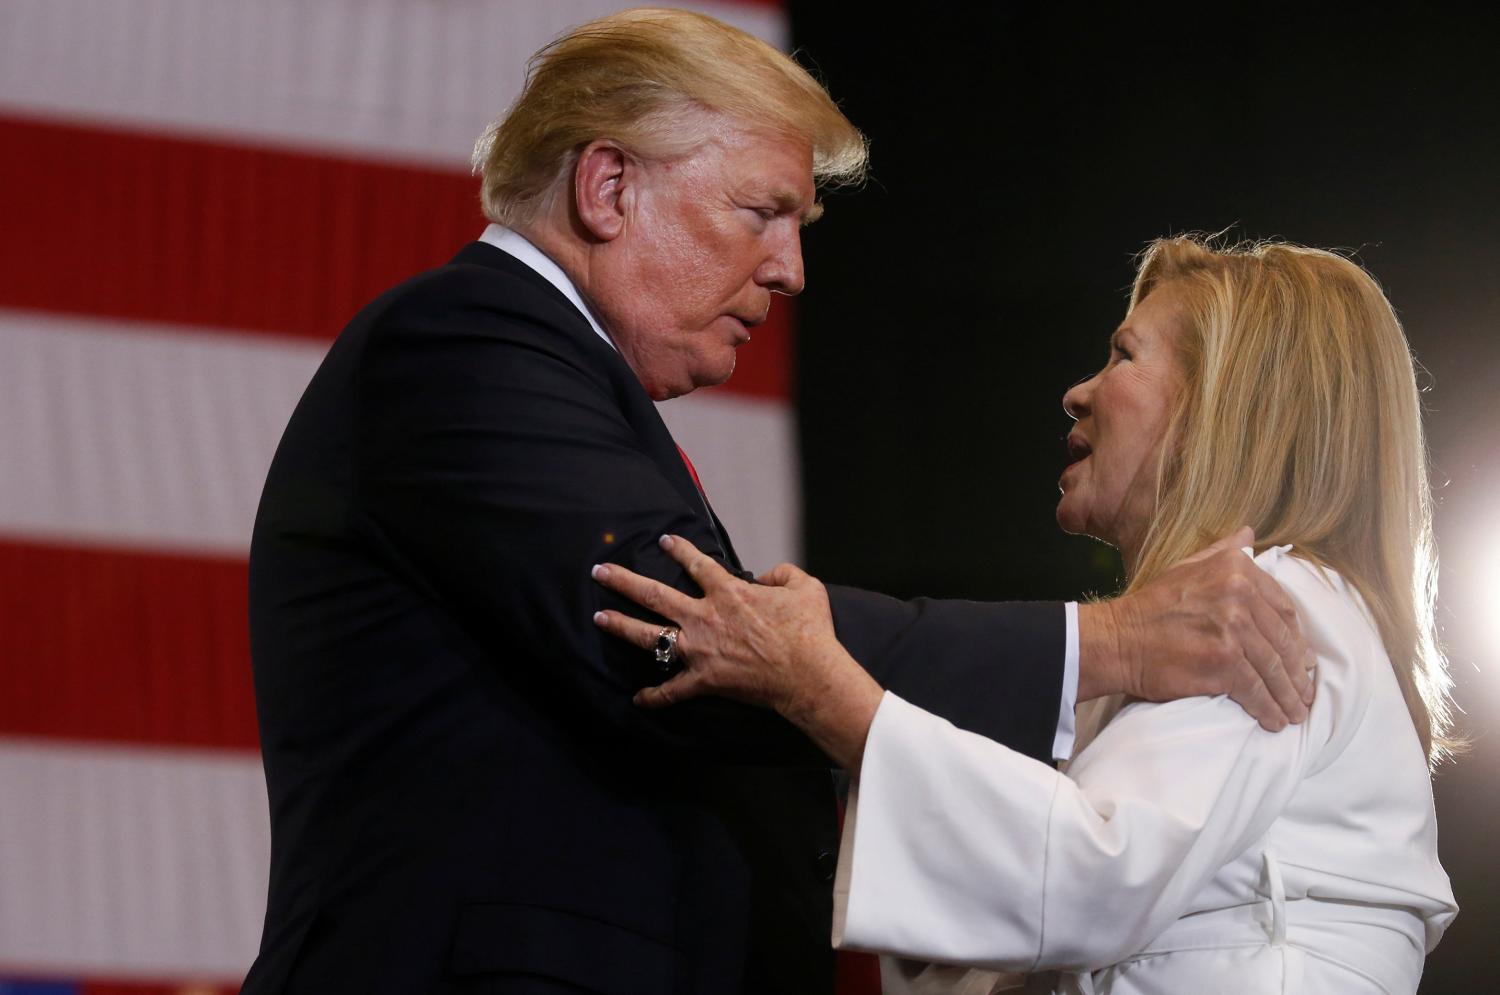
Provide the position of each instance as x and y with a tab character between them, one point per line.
1076	400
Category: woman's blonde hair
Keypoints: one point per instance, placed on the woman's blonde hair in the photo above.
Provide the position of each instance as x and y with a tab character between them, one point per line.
1300	417
644	78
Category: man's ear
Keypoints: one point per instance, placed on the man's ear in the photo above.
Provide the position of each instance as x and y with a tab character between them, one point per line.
601	188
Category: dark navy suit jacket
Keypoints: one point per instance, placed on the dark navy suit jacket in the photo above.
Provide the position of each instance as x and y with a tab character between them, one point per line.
463	797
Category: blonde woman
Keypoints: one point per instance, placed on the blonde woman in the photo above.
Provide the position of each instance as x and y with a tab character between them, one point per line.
1186	849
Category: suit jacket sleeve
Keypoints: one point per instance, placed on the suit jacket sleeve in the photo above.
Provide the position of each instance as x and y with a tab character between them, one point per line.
995	669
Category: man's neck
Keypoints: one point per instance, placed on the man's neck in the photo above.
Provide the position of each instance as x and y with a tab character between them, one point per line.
562	249
534	252
570	252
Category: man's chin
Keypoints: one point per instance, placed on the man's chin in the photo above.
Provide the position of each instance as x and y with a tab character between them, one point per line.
706	375
713	375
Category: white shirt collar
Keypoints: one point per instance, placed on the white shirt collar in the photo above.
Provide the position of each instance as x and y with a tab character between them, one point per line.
515	245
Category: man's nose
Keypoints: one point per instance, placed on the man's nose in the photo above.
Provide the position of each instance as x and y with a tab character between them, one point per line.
1076	400
782	270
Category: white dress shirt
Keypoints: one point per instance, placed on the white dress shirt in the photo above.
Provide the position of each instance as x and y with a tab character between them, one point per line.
1186	849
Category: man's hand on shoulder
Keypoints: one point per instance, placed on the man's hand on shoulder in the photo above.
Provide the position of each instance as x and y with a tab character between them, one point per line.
1213	624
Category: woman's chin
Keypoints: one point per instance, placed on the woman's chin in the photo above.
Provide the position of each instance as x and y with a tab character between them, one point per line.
1069	519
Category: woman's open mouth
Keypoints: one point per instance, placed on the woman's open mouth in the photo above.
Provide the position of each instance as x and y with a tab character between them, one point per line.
1078	448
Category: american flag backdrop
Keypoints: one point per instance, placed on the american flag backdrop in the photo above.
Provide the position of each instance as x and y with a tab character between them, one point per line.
195	195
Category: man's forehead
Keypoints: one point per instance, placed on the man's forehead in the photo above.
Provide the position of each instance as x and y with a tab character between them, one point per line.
768	166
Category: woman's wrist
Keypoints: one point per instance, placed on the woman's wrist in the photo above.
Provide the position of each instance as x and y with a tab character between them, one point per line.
835	705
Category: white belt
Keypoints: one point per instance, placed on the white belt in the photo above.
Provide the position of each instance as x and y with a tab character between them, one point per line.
1307	927
1347	934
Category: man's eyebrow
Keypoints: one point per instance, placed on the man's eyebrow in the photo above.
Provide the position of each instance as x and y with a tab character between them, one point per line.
786	201
790	202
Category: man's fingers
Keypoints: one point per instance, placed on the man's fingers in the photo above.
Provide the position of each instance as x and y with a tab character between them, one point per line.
1275	596
1251	695
648	593
704	569
632	630
1272	675
1295	655
680	688
781	575
1284	634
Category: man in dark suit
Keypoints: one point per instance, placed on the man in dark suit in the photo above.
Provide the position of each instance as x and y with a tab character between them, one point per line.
463	797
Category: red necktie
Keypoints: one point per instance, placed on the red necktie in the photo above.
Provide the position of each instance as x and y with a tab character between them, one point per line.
692	472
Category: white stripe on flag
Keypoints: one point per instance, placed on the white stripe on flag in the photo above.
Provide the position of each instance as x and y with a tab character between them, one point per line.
132	435
406	79
130	862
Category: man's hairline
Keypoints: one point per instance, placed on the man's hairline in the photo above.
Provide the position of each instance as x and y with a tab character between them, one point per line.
724	126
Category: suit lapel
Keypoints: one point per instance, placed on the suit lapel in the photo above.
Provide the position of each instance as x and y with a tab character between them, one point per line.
730	556
636	405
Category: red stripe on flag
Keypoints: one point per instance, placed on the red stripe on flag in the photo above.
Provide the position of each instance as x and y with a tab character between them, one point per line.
125	646
174	230
97	987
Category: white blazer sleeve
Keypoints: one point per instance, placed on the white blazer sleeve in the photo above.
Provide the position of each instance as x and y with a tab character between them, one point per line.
962	851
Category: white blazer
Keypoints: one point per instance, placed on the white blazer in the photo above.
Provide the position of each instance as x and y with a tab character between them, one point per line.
1186	850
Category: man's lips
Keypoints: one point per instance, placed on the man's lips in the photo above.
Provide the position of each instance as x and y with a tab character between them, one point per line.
745	323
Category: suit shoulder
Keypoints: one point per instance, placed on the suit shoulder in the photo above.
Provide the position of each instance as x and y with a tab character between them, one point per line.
464	292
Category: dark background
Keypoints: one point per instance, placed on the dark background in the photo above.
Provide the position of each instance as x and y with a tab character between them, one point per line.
1020	158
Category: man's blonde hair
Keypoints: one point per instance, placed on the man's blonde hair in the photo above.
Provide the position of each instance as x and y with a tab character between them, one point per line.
644	78
1300	417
